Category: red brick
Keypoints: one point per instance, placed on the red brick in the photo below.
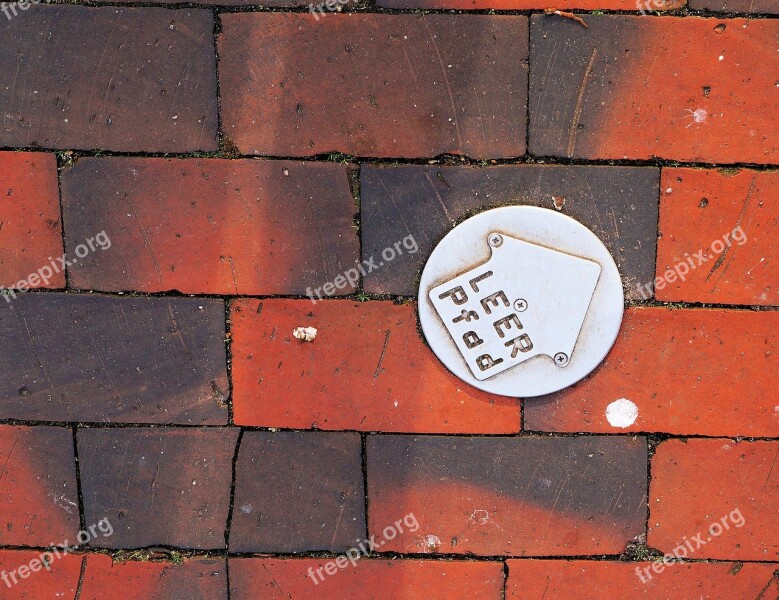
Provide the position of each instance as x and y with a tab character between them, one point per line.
90	358
60	580
638	88
526	4
509	496
210	226
740	6
698	483
367	370
38	493
699	371
30	228
280	579
297	492
374	85
157	487
698	208
123	79
585	579
198	579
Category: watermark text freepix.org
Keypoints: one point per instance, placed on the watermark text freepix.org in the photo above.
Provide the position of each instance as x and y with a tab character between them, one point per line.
45	560
11	9
691	262
350	277
363	548
46	272
687	547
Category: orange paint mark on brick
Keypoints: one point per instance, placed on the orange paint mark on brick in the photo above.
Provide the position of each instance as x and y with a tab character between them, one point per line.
284	579
30	228
354	375
726	491
734	219
699	371
563	580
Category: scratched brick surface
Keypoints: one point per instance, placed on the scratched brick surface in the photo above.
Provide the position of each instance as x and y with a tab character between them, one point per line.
30	228
124	79
67	357
38	492
720	494
196	579
59	581
408	579
297	492
374	85
210	225
734	219
590	579
508	496
174	485
634	87
618	203
741	6
524	4
688	371
367	369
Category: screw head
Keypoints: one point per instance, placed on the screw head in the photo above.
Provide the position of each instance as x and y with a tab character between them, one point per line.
520	305
495	240
561	359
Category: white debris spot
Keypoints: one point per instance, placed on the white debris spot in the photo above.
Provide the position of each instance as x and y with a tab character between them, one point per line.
558	202
669	190
621	413
306	334
699	116
246	509
427	543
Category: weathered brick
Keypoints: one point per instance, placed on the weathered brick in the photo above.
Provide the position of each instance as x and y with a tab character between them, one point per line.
124	79
265	3
297	492
527	4
38	492
59	580
698	209
618	203
508	496
280	579
210	226
638	88
374	85
739	6
367	370
706	486
199	579
166	487
681	368
68	357
30	230
562	580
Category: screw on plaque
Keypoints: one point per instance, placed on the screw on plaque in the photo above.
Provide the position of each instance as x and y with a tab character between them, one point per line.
495	240
520	305
561	359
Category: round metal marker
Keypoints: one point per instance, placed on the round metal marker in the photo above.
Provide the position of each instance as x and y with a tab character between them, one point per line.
520	301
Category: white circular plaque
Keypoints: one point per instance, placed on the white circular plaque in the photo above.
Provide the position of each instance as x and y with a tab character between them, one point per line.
520	301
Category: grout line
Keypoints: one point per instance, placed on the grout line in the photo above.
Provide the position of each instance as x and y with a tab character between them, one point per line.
398	299
371	8
440	160
658	436
81	506
81	574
